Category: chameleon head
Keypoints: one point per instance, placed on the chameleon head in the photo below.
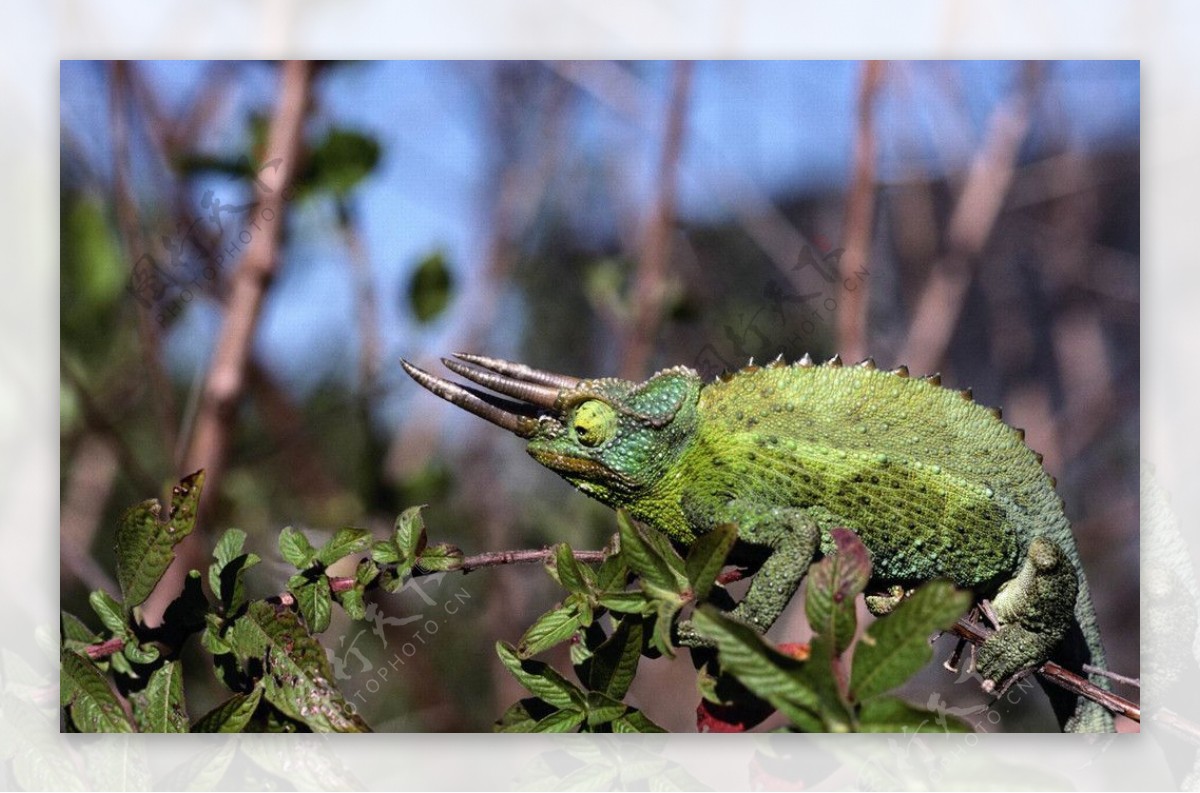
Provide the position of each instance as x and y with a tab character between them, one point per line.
610	438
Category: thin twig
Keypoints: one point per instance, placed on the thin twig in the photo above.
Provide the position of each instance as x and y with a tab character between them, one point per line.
346	583
1063	678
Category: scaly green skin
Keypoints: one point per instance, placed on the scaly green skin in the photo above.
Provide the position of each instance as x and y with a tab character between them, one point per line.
935	485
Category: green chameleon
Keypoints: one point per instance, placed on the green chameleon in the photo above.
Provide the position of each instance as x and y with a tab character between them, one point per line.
935	485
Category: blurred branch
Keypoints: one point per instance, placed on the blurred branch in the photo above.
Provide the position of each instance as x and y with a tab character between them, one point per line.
226	377
860	217
132	238
988	179
93	470
650	283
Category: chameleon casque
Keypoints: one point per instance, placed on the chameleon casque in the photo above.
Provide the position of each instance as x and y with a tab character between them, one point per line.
935	485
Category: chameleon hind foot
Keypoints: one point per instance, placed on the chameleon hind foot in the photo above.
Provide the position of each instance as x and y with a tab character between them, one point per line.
1034	611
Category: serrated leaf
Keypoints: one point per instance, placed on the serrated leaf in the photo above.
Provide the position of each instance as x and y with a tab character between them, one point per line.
140	653
295	548
297	677
232	715
440	558
553	627
889	714
560	721
541	679
707	557
146	542
352	601
85	691
603	709
365	573
228	548
764	671
566	570
896	646
213	639
385	552
626	602
110	612
833	584
611	668
643	558
613	573
160	707
409	535
232	586
74	630
635	721
344	542
315	601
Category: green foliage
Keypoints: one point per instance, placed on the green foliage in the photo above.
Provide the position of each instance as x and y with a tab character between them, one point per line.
830	689
430	287
129	677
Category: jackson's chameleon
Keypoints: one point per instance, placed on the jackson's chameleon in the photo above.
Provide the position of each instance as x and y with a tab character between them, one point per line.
935	485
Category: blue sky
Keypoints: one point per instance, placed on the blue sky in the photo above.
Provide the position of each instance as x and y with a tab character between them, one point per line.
781	127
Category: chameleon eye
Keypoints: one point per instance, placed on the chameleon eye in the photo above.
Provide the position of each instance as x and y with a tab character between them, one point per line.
594	422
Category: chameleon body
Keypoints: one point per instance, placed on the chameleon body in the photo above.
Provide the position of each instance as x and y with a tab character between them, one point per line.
935	485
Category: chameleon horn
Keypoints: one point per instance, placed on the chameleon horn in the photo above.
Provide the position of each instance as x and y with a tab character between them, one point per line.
506	417
540	395
520	371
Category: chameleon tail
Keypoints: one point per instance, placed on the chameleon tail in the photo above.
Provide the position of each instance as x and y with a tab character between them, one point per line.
1081	646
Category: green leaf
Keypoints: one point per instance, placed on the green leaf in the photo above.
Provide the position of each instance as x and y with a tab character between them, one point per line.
365	573
707	557
612	574
316	603
430	287
611	668
766	672
439	558
213	638
541	679
297	676
566	570
824	673
627	602
560	721
643	558
410	536
91	702
385	552
833	583
553	627
295	548
896	646
232	584
339	161
160	708
345	542
635	721
229	547
888	714
111	613
518	717
75	634
140	653
146	544
352	601
232	715
603	709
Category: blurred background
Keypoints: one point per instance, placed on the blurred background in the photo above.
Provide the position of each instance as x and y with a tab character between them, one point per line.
247	249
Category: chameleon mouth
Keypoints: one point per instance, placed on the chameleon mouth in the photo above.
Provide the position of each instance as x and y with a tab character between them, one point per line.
532	393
